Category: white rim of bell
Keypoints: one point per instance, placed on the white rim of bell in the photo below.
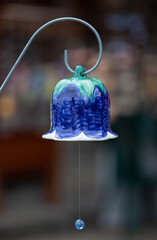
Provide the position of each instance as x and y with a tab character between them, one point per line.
80	137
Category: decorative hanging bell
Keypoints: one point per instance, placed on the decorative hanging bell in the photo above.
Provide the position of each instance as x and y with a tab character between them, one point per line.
80	109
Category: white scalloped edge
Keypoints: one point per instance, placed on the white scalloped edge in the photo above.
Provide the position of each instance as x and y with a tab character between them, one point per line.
80	137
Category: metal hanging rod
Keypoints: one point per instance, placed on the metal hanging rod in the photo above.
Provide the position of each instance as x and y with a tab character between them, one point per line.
65	51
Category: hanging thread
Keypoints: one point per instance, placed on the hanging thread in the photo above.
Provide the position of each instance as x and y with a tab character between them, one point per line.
79	181
79	224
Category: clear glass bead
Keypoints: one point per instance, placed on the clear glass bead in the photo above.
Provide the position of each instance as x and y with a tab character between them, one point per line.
79	224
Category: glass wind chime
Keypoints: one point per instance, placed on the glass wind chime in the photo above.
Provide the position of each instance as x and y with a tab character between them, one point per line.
80	106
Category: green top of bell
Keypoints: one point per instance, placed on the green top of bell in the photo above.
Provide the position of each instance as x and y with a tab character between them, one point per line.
79	71
86	85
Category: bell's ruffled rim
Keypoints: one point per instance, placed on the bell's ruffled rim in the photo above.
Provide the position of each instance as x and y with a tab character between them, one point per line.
80	137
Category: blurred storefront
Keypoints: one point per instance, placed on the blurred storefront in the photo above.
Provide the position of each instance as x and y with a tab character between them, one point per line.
39	178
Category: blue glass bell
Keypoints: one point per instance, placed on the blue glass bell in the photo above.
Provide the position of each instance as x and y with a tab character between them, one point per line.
80	110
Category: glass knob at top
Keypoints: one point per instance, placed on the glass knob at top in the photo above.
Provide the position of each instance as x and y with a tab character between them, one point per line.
80	110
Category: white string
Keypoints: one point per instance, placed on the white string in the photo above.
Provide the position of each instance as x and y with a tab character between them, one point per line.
79	181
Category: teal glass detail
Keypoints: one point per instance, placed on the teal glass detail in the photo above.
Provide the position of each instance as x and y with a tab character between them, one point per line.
85	85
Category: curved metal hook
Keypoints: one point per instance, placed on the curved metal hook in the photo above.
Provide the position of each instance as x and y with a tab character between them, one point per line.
99	42
65	51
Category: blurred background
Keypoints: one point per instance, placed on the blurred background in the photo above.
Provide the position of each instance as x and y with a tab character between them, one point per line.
39	178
